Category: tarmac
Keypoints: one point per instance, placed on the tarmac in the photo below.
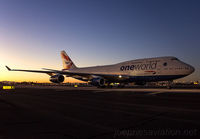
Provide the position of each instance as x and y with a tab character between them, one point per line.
36	112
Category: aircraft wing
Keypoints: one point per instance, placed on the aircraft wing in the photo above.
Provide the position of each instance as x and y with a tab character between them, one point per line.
69	73
36	71
39	71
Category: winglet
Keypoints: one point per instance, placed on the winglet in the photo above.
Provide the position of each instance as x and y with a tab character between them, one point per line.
8	68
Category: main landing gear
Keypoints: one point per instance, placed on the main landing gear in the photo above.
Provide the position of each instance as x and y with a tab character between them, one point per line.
169	85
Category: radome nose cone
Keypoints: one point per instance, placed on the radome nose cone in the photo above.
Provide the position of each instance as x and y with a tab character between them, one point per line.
191	69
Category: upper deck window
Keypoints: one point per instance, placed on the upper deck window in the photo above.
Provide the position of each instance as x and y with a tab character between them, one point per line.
174	58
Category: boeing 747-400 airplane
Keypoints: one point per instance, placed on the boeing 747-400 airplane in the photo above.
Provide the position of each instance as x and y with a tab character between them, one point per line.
138	71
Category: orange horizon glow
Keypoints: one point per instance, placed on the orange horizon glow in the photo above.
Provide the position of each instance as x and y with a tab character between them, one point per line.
67	80
20	60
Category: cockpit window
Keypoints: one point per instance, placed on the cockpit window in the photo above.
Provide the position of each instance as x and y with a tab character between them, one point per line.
174	58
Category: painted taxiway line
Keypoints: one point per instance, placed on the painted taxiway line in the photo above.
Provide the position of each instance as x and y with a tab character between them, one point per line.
154	93
150	90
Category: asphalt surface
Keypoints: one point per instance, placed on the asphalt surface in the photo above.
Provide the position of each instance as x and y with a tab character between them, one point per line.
64	112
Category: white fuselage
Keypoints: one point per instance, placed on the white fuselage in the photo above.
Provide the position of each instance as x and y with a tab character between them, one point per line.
148	69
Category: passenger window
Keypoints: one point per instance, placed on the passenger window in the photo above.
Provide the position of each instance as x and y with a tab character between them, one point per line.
165	64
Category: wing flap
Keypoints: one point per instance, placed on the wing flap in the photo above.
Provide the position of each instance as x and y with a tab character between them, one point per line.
90	75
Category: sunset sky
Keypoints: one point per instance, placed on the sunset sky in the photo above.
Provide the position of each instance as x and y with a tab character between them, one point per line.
95	32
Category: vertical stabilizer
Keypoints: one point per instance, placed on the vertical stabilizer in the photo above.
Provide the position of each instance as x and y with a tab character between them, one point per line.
67	62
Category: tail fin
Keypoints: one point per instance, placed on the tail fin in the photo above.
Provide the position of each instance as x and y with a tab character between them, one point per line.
67	62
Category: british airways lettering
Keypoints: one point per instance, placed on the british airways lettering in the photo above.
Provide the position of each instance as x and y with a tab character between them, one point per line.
149	66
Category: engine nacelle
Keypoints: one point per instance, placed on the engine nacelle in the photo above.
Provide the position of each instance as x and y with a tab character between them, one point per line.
58	78
97	82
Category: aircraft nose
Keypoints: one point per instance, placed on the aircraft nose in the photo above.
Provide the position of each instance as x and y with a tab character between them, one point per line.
192	69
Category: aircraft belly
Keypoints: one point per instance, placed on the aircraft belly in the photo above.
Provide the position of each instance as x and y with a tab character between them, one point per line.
154	78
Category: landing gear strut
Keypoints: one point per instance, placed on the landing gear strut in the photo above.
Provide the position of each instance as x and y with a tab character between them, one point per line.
169	85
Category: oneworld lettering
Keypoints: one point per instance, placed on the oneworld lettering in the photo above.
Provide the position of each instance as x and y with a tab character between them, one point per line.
149	66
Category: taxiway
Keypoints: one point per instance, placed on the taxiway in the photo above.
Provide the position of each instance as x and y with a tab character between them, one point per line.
67	112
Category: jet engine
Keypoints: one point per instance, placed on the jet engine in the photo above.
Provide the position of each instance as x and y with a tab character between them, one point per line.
98	82
58	78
